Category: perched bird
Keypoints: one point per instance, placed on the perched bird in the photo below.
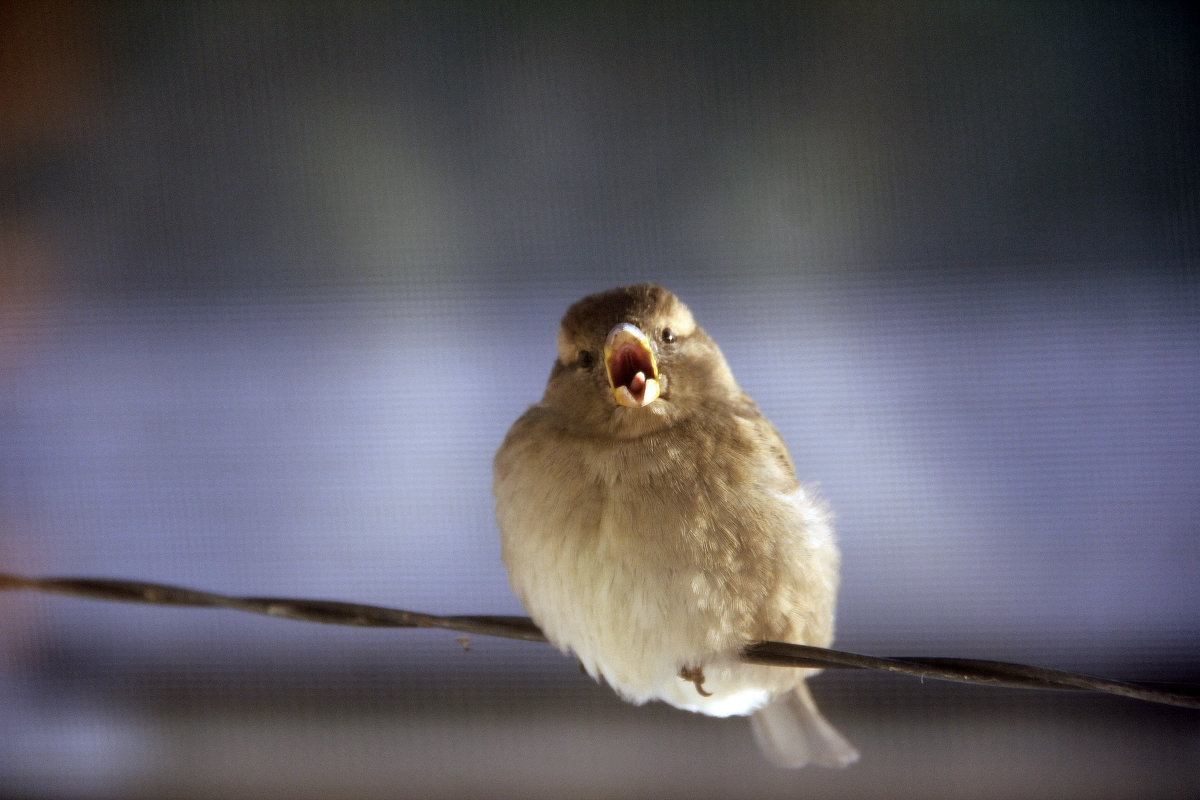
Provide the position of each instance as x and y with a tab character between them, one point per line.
652	524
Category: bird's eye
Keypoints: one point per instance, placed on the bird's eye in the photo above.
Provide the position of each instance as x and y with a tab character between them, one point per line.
586	359
667	335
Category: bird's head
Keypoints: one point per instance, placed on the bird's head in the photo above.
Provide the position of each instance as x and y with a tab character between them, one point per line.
632	360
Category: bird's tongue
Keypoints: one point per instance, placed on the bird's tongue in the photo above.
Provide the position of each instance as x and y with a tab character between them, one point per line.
637	384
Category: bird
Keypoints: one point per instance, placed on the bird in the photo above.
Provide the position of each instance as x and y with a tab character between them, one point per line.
652	525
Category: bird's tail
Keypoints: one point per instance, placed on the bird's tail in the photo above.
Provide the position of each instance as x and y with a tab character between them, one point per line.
791	733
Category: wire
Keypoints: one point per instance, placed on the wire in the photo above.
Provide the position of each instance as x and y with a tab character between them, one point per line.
779	654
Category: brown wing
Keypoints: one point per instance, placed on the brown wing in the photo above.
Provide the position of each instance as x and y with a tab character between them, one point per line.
771	439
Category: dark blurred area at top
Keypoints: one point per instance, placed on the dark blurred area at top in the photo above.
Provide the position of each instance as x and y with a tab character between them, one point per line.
218	147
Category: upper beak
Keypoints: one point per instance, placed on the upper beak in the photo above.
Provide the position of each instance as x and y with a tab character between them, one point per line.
629	363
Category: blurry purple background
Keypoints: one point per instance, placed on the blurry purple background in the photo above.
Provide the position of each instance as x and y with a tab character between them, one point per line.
274	281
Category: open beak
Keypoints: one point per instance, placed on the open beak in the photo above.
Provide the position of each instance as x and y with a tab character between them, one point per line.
629	362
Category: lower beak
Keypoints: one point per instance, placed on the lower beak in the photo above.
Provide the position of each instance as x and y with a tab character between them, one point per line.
629	364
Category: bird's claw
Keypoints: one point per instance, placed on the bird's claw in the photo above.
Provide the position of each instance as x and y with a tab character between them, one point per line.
696	676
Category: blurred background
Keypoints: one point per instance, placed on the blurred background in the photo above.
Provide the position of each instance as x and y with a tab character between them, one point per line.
276	278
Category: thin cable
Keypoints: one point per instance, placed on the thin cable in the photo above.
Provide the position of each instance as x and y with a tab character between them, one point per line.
778	654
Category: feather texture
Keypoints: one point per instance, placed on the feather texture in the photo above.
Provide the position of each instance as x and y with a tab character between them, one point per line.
654	542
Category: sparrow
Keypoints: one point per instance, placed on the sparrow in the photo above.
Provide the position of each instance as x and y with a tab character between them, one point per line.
652	525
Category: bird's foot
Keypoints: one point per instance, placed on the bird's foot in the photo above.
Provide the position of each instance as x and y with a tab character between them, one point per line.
696	676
